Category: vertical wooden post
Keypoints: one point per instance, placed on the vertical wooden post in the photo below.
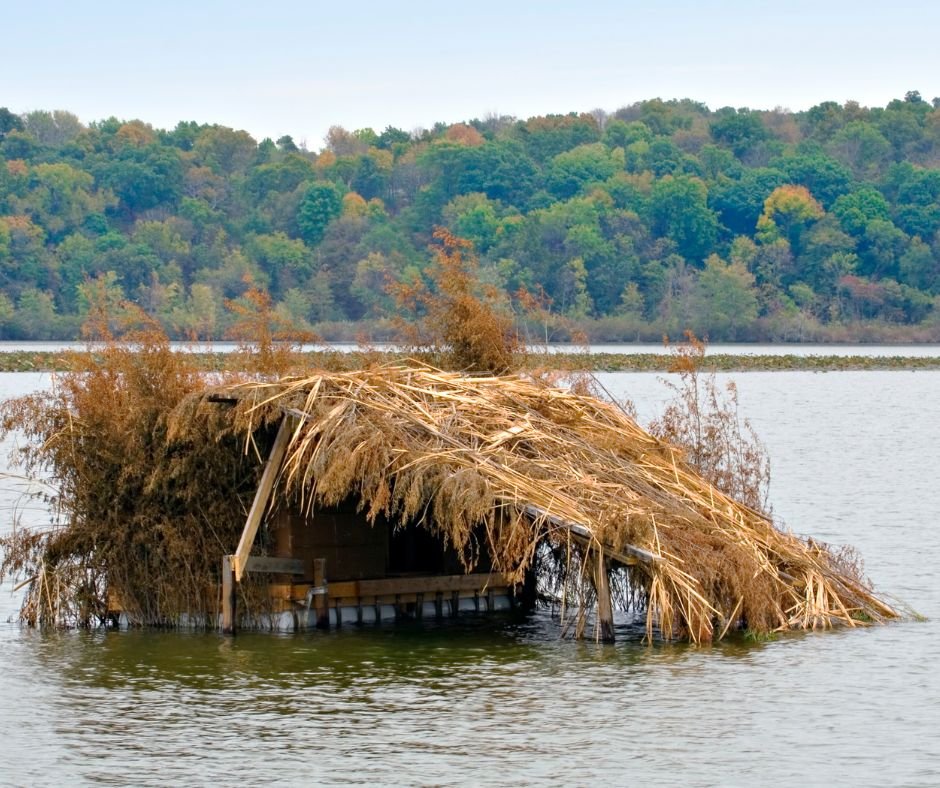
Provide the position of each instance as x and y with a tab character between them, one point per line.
321	602
604	627
229	596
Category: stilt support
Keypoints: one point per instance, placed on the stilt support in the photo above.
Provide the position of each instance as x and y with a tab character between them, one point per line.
604	627
321	602
229	596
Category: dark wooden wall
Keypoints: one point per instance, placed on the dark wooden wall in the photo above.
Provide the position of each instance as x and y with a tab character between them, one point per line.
356	550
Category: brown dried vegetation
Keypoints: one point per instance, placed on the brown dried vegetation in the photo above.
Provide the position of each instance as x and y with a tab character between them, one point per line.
456	317
451	452
155	477
704	421
141	513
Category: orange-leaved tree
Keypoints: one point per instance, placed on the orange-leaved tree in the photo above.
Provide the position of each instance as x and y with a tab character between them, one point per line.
466	322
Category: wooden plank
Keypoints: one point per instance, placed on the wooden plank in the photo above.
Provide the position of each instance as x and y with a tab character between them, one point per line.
297	592
390	586
262	495
229	596
604	628
272	565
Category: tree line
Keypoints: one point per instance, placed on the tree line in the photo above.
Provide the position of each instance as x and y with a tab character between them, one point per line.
663	216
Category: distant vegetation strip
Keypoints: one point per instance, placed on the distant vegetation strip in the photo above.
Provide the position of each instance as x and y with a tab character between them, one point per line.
57	361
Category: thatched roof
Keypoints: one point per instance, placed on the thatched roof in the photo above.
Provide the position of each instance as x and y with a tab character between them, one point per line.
535	466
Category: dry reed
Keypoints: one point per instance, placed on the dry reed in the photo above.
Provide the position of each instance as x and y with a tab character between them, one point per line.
525	460
154	478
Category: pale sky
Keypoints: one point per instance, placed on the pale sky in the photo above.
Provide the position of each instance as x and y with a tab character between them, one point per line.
290	67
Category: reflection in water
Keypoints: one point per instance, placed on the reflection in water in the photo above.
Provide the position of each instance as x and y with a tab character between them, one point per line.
491	702
403	700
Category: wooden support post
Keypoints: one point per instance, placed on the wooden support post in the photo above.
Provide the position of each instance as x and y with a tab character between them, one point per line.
604	627
455	603
321	602
262	496
229	596
439	605
419	606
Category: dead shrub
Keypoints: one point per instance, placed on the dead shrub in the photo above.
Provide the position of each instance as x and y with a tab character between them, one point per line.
704	421
456	317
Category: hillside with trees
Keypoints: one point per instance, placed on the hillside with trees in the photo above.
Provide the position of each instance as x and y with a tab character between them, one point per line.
662	216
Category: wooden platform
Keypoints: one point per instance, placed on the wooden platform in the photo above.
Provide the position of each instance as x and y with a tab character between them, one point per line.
407	594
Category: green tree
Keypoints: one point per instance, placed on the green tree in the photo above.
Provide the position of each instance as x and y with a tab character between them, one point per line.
741	130
9	122
881	249
144	178
35	316
52	129
198	317
288	262
474	217
321	204
739	200
225	150
825	178
569	172
725	300
862	147
679	210
857	209
576	300
919	267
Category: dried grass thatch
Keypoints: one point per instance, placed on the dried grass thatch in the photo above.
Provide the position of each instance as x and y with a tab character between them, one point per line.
540	466
154	478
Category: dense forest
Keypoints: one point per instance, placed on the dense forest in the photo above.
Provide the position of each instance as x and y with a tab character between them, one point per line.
664	215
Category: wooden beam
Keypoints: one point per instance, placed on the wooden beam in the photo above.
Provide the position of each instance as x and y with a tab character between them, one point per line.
629	554
391	586
262	496
272	565
229	596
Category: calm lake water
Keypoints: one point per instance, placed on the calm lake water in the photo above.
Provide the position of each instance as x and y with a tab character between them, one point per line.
855	458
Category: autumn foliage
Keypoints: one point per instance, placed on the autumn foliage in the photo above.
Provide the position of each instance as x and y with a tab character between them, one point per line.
455	316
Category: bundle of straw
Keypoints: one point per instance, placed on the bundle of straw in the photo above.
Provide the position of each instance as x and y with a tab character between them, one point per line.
532	465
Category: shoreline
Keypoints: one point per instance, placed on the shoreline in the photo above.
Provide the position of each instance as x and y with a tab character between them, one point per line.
63	361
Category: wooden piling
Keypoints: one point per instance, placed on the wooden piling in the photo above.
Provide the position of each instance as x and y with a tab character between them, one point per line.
604	628
321	601
229	596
